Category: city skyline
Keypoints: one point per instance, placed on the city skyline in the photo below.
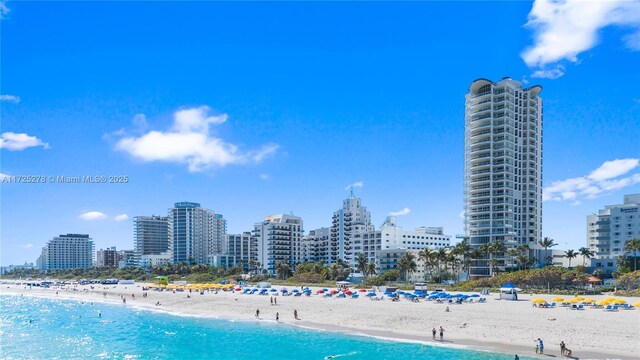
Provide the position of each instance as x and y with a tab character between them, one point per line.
251	119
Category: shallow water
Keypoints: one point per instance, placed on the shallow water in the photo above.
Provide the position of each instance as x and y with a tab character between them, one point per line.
36	328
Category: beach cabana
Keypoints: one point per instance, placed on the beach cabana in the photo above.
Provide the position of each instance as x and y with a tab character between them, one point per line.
509	291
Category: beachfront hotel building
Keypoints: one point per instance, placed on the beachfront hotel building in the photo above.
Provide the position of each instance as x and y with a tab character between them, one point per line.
611	228
315	245
151	240
348	225
70	251
196	233
279	239
243	248
502	167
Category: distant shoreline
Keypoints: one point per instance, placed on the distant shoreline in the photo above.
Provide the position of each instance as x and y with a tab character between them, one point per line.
397	321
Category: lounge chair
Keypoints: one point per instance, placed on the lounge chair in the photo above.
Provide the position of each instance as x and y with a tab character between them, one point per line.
580	307
615	308
627	307
608	308
482	300
553	305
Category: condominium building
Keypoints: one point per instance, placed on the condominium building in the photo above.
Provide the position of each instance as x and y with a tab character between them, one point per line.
244	250
278	239
393	237
196	233
70	251
315	245
151	240
612	227
502	167
107	257
348	225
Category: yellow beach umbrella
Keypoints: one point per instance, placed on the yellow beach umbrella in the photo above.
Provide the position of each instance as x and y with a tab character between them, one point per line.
538	300
602	302
557	299
637	304
589	300
579	298
574	300
619	301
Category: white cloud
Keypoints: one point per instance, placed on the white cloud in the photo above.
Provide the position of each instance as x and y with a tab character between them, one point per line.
26	246
16	142
121	217
604	179
9	98
555	73
264	177
188	141
461	214
564	29
92	215
4	10
402	212
355	185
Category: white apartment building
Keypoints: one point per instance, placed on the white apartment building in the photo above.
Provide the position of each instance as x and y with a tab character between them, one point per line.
70	251
315	245
278	239
612	227
154	260
196	233
393	237
347	228
244	250
503	166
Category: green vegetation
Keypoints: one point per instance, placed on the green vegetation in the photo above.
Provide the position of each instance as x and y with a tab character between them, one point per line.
552	277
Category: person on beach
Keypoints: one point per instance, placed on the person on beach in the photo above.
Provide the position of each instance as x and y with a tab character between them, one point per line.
99	314
295	314
277	317
275	301
447	309
562	347
441	333
567	352
537	348
271	299
541	346
434	333
158	303
257	313
516	357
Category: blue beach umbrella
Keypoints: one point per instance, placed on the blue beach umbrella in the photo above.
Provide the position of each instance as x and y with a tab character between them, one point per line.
283	290
475	295
371	294
325	289
273	290
295	290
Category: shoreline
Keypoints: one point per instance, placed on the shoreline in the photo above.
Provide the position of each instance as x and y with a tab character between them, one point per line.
232	309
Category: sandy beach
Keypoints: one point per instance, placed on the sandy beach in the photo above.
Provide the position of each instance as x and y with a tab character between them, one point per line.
497	325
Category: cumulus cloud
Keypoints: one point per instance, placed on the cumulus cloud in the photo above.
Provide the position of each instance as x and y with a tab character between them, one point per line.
9	98
355	185
402	212
564	29
16	142
189	142
121	217
92	215
606	178
26	246
264	177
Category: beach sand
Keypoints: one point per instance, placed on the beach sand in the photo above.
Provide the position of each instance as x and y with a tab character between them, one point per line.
497	325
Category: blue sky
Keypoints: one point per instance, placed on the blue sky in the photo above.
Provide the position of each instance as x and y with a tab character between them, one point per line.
265	108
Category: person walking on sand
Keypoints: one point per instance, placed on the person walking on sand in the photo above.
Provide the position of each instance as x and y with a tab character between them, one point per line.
257	313
275	301
277	317
562	347
434	333
516	357
441	333
295	314
271	299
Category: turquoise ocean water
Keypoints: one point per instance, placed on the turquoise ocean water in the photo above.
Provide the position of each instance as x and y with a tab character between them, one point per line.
34	328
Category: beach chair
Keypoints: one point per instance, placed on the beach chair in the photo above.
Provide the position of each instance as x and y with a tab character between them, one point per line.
628	307
608	308
580	307
553	305
615	308
482	300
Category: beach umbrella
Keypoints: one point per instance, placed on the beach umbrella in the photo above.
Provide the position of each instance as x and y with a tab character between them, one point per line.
295	290
362	290
325	289
342	296
334	291
579	298
283	291
557	299
574	300
619	301
273	290
475	295
320	291
539	300
306	290
637	304
371	294
348	292
602	302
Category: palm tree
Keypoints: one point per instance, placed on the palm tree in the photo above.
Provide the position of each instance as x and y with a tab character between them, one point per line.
570	254
441	256
370	270
425	255
407	264
633	245
361	262
547	243
282	269
586	254
496	248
